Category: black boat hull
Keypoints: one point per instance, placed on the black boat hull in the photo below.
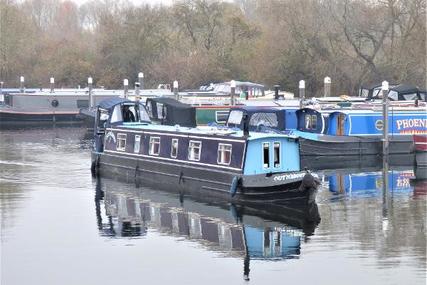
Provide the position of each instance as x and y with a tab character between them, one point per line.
199	181
17	119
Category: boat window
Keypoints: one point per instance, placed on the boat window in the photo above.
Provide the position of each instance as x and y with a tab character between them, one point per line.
235	117
364	92
174	148
265	154
411	96
117	114
423	96
377	93
265	119
224	154
276	155
129	113
221	116
307	121
154	147
194	150
161	111
149	108
313	122
121	142
143	114
137	144
393	95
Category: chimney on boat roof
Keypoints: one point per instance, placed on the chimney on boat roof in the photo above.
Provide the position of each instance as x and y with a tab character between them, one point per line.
276	92
21	83
89	84
327	86
52	85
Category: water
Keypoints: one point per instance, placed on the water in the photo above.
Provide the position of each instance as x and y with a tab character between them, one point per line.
60	226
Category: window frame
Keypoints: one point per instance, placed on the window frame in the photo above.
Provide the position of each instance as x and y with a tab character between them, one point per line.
218	153
150	148
190	147
177	145
274	154
263	155
135	148
120	138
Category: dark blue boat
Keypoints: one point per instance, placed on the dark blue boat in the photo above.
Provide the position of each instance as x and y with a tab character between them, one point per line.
232	164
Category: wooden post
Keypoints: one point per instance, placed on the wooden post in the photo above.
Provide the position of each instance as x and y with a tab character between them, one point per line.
89	84
301	86
384	89
1	87
21	83
52	85
125	88
175	89
327	83
232	92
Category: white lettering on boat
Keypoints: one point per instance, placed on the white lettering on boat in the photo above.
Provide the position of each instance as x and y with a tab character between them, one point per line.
289	176
411	123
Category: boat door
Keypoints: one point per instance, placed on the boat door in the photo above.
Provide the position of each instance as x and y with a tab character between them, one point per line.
341	124
101	118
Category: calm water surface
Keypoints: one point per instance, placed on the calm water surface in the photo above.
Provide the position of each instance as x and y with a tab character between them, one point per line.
60	226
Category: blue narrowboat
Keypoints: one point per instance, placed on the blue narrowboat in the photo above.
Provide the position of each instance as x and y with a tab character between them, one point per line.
232	164
358	132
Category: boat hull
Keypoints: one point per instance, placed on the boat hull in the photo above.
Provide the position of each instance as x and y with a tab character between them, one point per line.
202	182
11	119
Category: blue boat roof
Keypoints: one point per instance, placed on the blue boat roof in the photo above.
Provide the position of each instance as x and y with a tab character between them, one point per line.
204	130
111	102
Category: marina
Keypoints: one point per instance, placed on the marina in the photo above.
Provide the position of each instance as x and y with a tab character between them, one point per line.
56	215
213	142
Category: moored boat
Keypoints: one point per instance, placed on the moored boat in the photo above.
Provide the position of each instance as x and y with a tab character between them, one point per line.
235	165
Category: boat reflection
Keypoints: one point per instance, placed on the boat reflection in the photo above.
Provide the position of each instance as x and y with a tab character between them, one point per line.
273	231
370	184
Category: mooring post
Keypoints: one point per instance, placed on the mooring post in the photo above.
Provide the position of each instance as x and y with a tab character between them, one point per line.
52	85
141	80
276	92
327	83
125	88
21	83
89	85
175	89
385	194
232	92
1	87
301	86
384	89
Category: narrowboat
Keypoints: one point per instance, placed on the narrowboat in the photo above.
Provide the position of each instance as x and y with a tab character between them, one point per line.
35	108
358	132
231	164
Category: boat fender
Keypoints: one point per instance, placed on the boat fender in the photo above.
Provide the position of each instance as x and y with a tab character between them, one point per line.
54	103
233	186
94	166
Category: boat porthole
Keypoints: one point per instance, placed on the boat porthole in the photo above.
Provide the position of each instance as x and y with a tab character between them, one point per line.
54	103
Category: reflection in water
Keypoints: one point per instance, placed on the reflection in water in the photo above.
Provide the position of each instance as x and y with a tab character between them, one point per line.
249	231
47	221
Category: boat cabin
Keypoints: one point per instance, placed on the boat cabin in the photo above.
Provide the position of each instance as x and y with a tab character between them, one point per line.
369	122
312	121
168	111
274	118
397	92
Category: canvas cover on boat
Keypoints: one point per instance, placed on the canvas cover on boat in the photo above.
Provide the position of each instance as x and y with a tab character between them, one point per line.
171	112
108	104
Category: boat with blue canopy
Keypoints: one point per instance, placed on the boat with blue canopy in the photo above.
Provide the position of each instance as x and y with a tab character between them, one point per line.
232	164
